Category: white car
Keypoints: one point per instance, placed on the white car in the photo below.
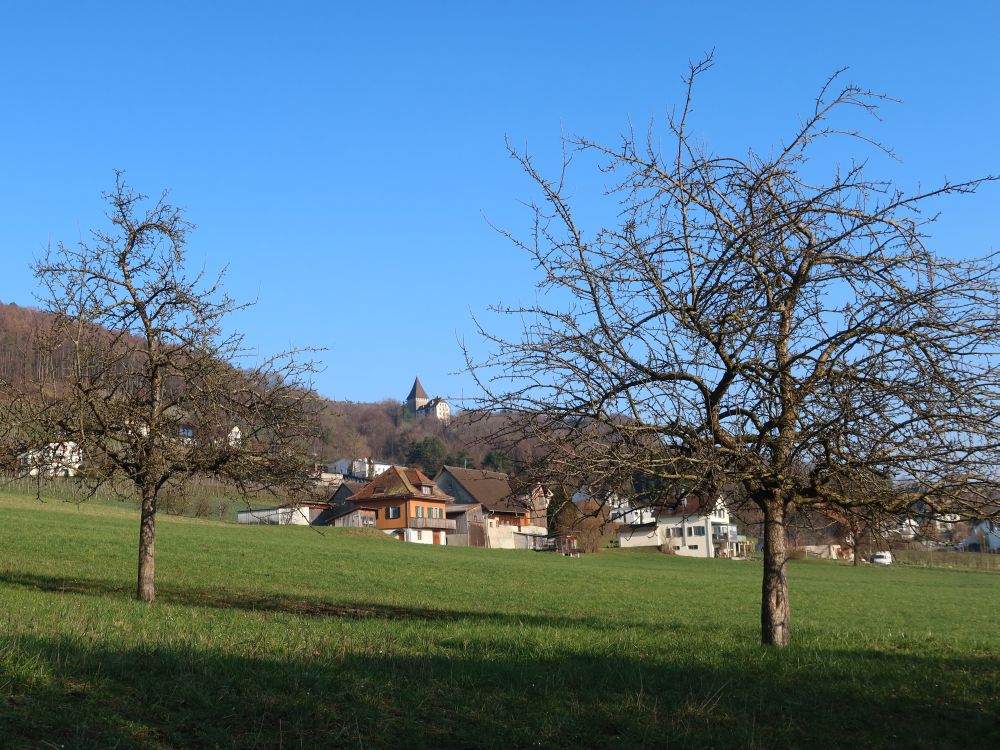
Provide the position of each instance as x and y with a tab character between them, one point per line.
882	558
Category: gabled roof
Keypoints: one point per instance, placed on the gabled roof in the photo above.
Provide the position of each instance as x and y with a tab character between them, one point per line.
417	391
689	506
399	483
491	489
345	490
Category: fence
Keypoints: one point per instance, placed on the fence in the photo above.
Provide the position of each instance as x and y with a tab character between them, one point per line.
947	559
202	497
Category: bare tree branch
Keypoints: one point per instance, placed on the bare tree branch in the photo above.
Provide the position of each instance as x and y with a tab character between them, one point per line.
751	326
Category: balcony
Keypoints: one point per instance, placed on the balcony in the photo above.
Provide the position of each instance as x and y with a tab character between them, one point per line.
432	523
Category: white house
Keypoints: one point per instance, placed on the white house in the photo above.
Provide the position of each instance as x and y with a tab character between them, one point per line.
53	460
438	408
362	468
693	528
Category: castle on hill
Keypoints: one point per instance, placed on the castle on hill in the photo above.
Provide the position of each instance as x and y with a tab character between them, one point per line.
420	404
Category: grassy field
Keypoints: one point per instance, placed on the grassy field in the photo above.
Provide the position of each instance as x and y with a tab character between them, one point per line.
268	637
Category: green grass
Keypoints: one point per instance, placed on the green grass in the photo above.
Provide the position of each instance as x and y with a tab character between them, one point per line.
286	638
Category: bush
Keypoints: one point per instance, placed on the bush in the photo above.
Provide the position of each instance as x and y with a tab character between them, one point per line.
175	505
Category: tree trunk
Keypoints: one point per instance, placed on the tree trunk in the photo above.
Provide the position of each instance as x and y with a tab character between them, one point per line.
775	616
146	589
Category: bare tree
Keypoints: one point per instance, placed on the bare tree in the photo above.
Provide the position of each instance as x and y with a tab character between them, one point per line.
156	390
748	324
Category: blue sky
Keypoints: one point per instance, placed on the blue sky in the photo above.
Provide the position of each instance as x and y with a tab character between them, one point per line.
343	159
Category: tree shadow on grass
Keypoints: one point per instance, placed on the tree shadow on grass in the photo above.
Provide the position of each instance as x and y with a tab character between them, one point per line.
84	694
314	607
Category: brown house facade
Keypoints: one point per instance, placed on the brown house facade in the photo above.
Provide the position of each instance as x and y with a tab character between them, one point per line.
408	506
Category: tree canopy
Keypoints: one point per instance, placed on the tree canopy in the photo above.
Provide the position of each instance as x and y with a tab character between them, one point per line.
770	326
148	382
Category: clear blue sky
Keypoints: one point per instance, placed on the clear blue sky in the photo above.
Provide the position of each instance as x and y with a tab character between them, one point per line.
342	159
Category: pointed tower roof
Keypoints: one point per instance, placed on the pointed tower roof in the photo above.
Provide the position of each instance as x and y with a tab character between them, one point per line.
417	391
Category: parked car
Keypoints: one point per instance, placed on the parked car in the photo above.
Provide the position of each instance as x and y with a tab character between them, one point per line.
882	558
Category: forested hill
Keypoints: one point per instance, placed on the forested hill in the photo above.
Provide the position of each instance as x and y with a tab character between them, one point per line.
383	430
20	328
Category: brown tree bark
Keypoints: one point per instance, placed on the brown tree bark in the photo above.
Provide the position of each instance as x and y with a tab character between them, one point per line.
775	615
146	588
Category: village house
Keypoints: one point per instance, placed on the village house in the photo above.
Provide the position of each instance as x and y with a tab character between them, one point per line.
52	460
693	527
494	512
358	468
408	506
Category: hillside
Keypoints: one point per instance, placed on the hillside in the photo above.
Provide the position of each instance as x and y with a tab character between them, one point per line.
348	429
270	637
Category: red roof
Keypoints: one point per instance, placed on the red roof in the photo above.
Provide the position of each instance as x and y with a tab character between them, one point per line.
400	483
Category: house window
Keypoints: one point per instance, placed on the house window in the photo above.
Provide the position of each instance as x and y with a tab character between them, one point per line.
420	511
699	531
692	546
420	536
425	489
392	511
690	531
678	531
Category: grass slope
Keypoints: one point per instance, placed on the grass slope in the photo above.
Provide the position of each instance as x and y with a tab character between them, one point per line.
285	637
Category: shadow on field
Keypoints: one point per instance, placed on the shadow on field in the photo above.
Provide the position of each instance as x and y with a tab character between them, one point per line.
303	606
81	695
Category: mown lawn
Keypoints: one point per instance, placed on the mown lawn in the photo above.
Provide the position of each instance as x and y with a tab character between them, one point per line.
267	637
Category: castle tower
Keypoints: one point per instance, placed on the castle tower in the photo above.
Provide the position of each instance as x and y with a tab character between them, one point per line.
417	398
